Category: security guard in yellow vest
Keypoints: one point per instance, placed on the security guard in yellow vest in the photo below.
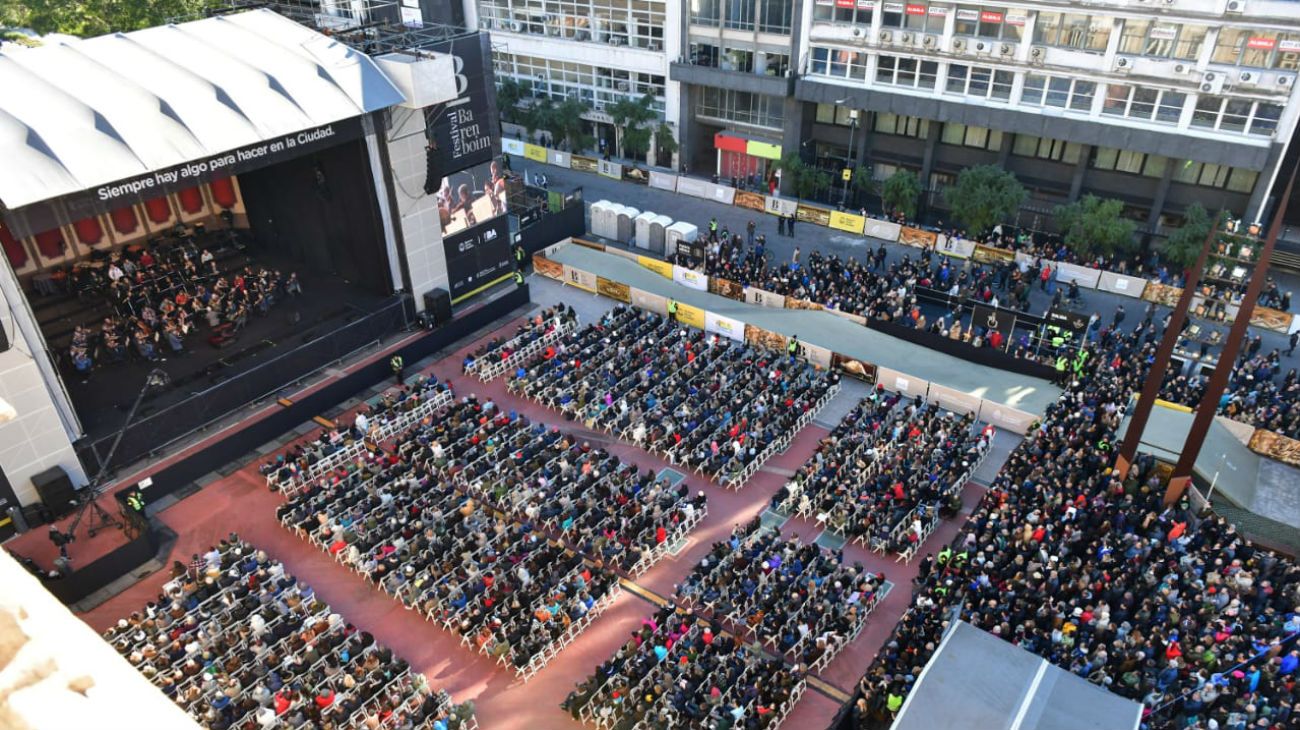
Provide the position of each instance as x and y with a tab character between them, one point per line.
519	278
672	308
397	364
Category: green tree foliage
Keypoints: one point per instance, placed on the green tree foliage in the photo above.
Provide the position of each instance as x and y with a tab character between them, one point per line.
901	191
665	142
88	18
984	196
510	94
1184	244
806	180
562	121
633	118
1094	225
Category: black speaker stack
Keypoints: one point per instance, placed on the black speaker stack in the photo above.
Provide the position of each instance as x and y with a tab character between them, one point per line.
56	490
437	304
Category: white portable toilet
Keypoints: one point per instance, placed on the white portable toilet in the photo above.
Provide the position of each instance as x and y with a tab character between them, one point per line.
643	222
626	224
600	218
658	232
680	232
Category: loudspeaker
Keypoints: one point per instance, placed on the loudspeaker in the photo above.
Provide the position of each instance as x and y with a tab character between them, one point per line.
437	302
36	514
56	490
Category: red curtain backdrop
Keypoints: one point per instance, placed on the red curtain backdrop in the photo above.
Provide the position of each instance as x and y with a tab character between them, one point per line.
158	210
735	164
51	244
223	191
124	219
89	231
13	248
191	200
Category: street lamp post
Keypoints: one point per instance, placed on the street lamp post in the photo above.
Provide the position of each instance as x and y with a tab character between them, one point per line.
848	164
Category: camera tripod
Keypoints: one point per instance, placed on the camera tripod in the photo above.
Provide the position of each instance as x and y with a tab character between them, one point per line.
100	519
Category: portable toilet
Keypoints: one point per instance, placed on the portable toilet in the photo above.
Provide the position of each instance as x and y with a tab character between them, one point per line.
643	222
679	234
626	224
600	219
658	232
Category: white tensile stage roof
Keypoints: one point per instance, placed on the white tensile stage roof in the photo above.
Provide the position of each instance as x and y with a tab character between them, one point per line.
976	680
79	114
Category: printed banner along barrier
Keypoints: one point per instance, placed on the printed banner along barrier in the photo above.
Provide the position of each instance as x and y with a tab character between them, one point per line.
512	146
990	255
1066	273
535	153
780	206
860	369
662	268
1006	417
690	278
688	315
855	318
764	298
958	248
816	354
954	400
842	221
614	289
752	201
582	163
765	338
649	301
917	237
902	383
548	268
559	159
726	326
816	216
584	280
663	181
792	303
726	288
884	230
610	169
1129	286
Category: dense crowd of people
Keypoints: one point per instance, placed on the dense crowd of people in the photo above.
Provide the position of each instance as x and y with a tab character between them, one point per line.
501	354
886	472
241	645
160	295
705	402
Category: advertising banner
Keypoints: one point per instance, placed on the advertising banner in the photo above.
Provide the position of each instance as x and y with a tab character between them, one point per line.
548	268
614	289
847	222
902	383
584	280
462	129
1276	446
753	201
663	181
690	278
917	237
662	268
694	187
989	255
810	214
1006	417
815	354
558	158
512	146
1129	286
726	288
478	257
648	301
584	164
730	328
1162	294
884	230
857	368
693	316
780	206
956	247
536	153
1066	273
610	169
954	400
764	298
765	338
792	303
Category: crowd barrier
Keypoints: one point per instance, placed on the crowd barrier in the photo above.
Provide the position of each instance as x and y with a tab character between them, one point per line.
890	231
999	414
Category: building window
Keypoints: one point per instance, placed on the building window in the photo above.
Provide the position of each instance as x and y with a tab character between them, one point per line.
979	81
1136	163
839	63
774	64
836	114
984	21
919	17
1144	103
909	72
597	86
775	16
1237	116
902	126
742	107
635	23
970	136
1258	48
1072	30
1161	39
851	12
1027	145
1058	91
706	12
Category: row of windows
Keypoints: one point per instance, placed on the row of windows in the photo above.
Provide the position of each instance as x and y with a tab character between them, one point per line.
594	85
635	23
744	60
1079	31
758	110
770	16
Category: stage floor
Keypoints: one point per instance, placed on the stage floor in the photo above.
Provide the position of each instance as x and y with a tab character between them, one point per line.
240	502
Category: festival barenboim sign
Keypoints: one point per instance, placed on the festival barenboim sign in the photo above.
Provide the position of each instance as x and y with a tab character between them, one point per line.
466	129
988	320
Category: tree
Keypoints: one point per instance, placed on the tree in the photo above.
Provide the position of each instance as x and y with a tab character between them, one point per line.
510	94
863	184
535	116
806	180
1184	245
665	143
568	120
1094	225
96	17
901	192
632	117
984	196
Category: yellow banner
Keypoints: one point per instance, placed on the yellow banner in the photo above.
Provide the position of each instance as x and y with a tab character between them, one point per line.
535	153
662	268
847	222
693	316
763	149
1172	406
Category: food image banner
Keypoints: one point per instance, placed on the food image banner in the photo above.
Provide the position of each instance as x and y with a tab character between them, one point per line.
688	315
990	255
726	288
857	368
726	326
614	289
690	278
917	237
765	338
548	268
817	216
584	164
753	201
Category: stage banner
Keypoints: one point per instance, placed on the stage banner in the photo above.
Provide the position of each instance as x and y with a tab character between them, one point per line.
902	383
810	214
780	206
859	369
535	153
847	222
753	201
765	338
815	354
584	164
610	169
764	298
726	326
558	158
1129	286
662	268
548	268
855	318
954	400
792	303
584	280
884	230
690	278
917	237
958	248
614	289
1066	273
478	257
463	129
693	316
512	146
663	181
648	301
990	255
1006	417
726	288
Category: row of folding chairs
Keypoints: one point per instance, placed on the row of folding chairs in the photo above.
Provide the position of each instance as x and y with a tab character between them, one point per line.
522	349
